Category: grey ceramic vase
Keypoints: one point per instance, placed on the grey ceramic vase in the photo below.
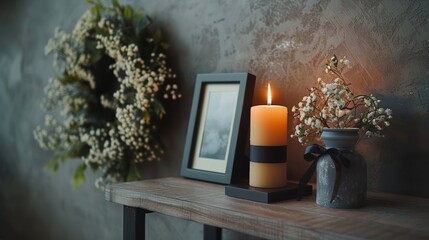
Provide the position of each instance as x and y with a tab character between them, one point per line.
353	183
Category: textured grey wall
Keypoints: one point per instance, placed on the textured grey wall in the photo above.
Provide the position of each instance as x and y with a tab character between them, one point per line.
283	42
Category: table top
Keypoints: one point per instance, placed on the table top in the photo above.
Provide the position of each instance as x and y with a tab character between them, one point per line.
386	216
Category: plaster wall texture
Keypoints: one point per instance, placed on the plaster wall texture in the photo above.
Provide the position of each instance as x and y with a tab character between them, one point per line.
282	42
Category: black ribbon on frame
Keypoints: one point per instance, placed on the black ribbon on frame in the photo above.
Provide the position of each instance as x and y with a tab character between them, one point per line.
314	153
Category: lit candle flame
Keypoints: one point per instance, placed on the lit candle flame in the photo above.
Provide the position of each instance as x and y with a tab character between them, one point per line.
269	95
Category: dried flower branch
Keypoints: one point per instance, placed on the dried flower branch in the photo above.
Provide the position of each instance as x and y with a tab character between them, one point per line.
333	105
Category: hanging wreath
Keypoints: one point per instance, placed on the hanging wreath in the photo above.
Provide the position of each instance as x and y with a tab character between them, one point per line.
113	80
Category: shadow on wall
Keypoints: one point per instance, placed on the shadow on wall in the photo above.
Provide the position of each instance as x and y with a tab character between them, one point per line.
399	162
173	126
408	144
17	202
407	141
19	213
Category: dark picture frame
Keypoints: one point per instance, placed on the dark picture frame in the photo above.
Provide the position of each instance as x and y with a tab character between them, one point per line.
218	128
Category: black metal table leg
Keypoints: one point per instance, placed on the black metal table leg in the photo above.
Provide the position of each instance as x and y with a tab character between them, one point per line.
134	223
212	233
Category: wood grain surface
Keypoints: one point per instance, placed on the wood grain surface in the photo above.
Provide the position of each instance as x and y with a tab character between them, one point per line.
386	216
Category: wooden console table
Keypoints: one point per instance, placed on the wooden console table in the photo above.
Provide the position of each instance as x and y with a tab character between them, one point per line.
386	216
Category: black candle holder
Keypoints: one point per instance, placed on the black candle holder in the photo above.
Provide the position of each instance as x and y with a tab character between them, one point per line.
265	195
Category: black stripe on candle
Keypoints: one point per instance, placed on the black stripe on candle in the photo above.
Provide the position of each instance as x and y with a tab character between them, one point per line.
268	154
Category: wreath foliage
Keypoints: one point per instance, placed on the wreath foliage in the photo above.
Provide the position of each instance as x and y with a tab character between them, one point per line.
105	104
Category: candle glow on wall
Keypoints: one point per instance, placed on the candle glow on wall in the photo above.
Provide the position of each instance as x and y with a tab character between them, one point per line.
268	145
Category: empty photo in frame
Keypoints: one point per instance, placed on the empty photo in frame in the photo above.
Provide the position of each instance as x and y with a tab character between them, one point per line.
215	126
218	126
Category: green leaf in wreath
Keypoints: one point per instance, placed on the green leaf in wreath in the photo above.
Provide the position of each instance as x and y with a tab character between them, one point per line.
115	3
165	45
79	176
146	116
157	36
52	165
94	166
141	22
138	16
91	48
133	172
96	56
159	109
128	13
97	9
67	78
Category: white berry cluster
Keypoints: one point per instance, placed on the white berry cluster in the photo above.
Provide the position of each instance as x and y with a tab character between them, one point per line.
110	92
333	105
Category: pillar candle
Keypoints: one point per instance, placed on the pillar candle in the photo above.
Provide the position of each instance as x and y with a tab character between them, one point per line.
268	145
